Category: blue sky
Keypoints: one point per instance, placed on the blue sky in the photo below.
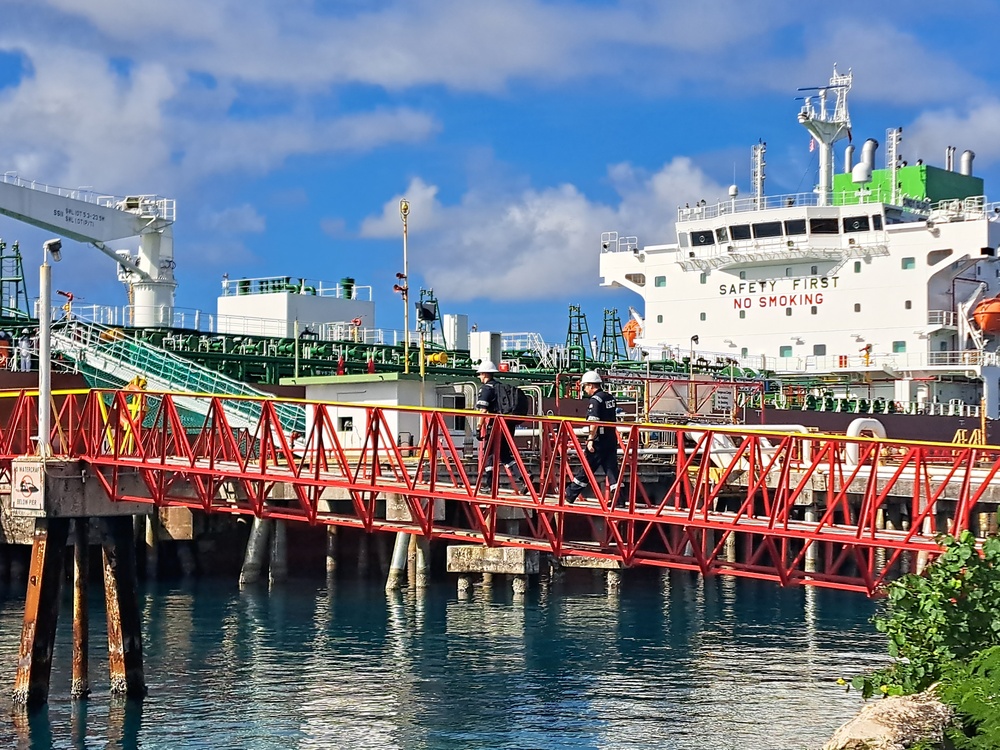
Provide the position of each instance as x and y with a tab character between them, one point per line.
519	131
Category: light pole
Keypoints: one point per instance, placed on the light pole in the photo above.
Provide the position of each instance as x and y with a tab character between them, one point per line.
53	248
691	401
404	211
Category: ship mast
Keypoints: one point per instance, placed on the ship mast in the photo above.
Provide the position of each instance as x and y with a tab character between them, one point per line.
827	127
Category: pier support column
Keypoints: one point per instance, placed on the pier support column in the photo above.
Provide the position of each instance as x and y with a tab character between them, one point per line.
423	562
397	566
520	586
331	550
122	606
152	545
41	611
614	580
811	557
278	566
464	587
256	554
80	686
487	580
363	555
187	558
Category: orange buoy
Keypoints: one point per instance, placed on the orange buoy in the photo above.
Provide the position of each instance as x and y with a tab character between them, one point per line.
987	315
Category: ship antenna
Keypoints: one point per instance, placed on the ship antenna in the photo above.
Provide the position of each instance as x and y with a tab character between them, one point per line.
757	165
827	127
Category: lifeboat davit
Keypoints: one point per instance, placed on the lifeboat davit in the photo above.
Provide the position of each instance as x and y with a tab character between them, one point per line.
987	315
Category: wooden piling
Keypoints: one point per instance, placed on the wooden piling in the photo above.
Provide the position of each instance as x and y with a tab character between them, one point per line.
41	611
80	686
122	607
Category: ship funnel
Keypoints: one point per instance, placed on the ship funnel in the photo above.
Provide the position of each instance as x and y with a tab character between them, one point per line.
965	165
849	159
868	153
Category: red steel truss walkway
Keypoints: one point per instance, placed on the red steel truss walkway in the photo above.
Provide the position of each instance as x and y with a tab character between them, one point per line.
792	507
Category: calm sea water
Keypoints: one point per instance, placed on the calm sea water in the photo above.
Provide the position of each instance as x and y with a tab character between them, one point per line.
669	662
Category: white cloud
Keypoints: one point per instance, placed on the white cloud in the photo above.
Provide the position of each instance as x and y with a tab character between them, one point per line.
537	244
976	128
234	220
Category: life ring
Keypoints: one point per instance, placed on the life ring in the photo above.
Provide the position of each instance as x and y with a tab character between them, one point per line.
356	322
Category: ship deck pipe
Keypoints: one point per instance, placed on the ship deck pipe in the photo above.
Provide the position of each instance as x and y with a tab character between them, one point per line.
965	165
854	429
849	159
868	152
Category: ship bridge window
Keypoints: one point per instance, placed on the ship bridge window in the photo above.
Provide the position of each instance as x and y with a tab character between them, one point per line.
639	279
936	256
908	264
824	226
785	351
899	347
877	222
819	350
702	237
682	239
659	281
856	224
795	226
740	232
767	229
722	235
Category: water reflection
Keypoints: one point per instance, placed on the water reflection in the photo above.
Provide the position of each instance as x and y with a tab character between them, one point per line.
669	661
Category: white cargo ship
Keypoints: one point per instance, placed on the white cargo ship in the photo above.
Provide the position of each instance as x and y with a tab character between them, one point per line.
859	295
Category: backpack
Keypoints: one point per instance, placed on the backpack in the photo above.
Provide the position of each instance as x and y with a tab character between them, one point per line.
511	399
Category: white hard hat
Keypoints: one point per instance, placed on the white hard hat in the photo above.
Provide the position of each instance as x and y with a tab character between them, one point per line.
486	366
591	377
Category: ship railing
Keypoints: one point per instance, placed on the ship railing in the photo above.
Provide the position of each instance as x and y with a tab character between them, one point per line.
947	318
146	205
894	361
293	285
611	242
703	210
111	351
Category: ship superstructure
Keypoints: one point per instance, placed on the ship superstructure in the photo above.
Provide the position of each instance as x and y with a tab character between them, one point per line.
869	279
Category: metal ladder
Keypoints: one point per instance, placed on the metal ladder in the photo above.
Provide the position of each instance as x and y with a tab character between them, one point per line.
112	351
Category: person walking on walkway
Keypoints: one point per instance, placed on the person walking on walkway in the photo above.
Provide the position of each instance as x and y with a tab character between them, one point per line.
601	448
24	351
487	402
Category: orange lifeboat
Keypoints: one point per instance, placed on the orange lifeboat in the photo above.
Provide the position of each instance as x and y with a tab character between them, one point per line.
987	315
630	332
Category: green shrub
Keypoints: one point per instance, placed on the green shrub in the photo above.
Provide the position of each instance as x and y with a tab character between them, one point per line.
939	619
973	688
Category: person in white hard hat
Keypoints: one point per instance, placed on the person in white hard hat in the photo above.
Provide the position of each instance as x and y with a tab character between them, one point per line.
601	449
488	403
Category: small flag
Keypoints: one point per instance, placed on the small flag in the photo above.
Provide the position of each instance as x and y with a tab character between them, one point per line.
812	145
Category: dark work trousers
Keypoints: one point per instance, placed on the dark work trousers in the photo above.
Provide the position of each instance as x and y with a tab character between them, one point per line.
605	458
506	458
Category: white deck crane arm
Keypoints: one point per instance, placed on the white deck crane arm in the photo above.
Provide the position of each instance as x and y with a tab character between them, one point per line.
96	219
